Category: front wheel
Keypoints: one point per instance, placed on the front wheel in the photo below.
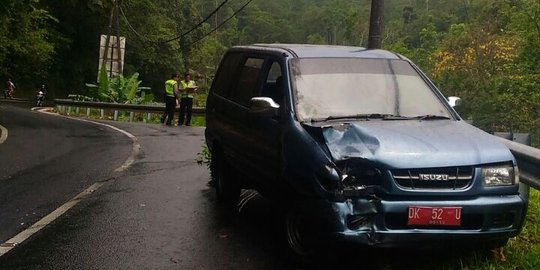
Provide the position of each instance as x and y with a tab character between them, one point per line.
297	249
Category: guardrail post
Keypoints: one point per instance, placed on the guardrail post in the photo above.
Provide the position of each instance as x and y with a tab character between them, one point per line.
69	110
102	113
115	118
88	112
523	138
77	111
131	116
149	117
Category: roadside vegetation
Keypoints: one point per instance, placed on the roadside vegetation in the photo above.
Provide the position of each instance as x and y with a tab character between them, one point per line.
521	252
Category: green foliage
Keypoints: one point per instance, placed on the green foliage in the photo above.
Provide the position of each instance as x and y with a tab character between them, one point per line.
484	51
204	157
80	97
520	253
104	83
512	105
121	89
26	41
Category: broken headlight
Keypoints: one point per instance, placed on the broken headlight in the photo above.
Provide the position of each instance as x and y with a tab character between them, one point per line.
358	181
329	178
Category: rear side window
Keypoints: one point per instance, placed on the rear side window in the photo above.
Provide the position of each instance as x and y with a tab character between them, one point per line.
247	80
226	75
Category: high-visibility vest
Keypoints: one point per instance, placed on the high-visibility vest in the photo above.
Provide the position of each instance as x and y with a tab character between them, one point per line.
185	86
169	87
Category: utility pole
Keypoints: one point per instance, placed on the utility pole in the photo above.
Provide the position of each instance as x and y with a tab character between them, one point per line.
118	48
108	39
114	16
375	24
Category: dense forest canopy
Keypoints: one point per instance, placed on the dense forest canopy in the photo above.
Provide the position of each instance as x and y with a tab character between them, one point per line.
485	51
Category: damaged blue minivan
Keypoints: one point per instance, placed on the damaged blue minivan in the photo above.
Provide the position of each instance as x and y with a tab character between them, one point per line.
357	145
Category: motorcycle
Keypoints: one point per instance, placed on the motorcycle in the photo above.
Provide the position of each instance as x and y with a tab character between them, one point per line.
8	93
40	97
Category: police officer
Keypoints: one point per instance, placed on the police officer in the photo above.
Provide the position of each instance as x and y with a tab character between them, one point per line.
171	91
187	88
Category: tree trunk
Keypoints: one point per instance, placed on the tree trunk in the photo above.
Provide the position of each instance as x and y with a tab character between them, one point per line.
375	24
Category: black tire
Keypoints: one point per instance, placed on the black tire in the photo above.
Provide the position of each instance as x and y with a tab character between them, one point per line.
225	179
297	249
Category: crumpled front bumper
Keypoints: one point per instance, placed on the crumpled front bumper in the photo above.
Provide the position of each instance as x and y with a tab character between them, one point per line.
383	223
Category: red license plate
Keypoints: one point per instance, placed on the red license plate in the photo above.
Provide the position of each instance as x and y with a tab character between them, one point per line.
438	216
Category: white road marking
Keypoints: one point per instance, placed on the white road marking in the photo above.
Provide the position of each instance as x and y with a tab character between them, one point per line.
135	148
22	236
36	227
3	134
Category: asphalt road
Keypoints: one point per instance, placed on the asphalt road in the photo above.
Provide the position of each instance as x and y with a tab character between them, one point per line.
158	214
47	160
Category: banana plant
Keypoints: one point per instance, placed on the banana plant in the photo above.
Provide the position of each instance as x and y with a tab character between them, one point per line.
121	89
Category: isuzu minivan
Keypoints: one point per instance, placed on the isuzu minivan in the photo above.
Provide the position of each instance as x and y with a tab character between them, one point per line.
357	145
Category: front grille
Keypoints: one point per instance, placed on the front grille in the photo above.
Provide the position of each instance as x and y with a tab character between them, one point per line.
452	178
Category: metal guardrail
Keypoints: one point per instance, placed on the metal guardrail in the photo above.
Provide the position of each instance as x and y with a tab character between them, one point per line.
64	106
528	159
118	106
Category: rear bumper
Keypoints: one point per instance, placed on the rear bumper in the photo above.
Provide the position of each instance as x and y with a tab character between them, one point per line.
384	222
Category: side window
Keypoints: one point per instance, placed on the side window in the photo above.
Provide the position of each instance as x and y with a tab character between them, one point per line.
273	86
227	70
247	83
274	73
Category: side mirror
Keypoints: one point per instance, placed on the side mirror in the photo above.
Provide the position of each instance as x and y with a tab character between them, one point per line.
454	101
263	106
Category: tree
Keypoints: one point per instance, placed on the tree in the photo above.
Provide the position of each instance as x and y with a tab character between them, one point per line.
26	45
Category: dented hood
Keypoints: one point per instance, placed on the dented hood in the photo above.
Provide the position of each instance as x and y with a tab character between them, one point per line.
414	144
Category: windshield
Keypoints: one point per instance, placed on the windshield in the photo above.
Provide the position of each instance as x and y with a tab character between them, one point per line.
341	87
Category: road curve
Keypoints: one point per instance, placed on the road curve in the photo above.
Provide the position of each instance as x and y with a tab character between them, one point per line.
47	161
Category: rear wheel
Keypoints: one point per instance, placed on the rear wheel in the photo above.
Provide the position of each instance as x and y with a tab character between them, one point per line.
225	179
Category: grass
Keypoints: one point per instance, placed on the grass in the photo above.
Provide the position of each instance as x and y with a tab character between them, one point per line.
521	252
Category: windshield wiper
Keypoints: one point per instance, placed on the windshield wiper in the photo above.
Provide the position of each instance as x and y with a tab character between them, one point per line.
353	116
430	117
